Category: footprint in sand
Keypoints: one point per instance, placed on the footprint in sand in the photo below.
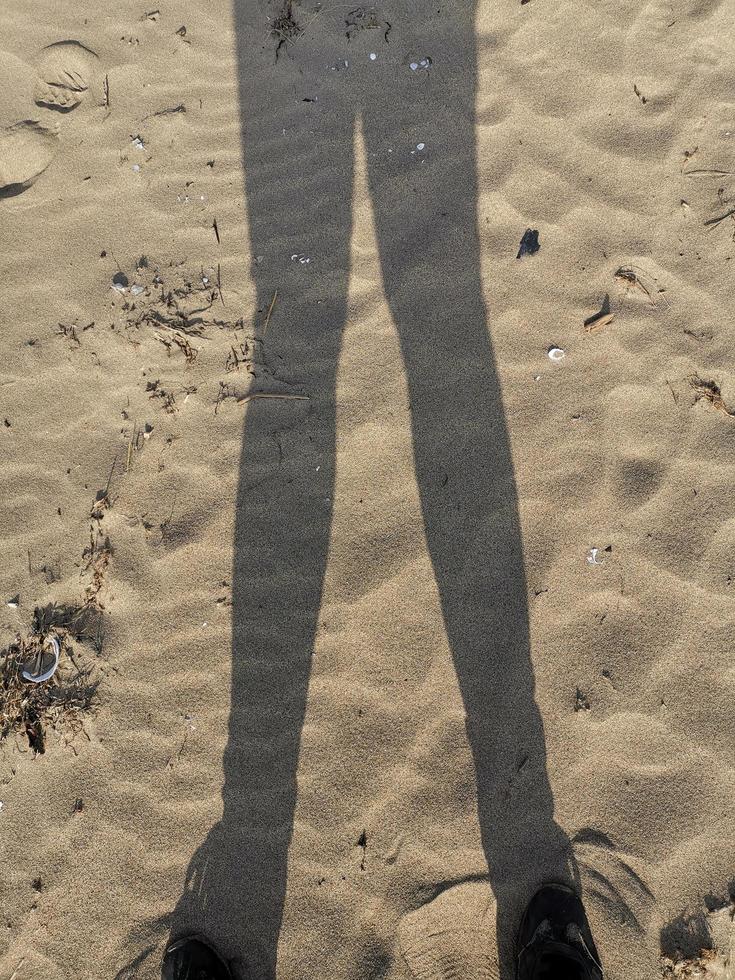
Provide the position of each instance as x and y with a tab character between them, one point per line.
26	149
28	136
452	937
64	75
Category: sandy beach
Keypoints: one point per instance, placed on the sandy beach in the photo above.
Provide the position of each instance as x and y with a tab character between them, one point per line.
368	425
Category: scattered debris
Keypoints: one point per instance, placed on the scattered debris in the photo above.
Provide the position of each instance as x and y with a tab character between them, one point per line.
556	354
596	322
423	64
285	28
167	112
716	221
581	702
729	213
529	243
301	258
710	391
631	280
366	19
59	701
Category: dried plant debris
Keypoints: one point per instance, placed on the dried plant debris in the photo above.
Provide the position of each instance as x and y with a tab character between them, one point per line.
699	946
529	243
366	19
603	317
284	26
32	710
631	280
710	391
169	298
728	212
694	968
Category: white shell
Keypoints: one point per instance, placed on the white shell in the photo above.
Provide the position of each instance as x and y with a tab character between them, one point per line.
53	644
556	353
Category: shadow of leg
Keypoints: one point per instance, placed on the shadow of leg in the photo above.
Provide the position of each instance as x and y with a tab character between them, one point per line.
426	205
299	201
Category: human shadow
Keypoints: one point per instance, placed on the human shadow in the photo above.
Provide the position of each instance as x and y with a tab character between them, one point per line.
298	163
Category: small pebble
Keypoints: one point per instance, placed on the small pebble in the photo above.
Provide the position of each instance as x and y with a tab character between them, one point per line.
373	56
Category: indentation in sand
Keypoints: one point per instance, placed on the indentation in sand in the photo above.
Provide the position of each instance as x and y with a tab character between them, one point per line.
453	936
26	149
64	75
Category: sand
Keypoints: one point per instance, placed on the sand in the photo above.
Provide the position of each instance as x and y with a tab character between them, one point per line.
362	681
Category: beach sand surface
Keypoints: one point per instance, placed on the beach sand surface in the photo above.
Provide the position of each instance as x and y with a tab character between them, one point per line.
515	571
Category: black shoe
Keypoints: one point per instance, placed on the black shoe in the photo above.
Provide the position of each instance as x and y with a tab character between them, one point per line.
193	959
555	942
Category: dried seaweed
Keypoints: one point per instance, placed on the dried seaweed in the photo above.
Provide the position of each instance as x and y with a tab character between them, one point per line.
59	704
710	391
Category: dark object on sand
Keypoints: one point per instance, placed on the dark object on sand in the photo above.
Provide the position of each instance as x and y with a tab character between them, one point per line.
555	938
191	957
529	243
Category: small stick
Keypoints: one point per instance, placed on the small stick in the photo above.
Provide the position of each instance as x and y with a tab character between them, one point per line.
216	230
268	394
717	173
16	971
220	395
219	282
130	450
270	310
109	478
711	221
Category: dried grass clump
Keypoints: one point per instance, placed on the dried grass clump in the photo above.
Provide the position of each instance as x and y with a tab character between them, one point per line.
60	703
